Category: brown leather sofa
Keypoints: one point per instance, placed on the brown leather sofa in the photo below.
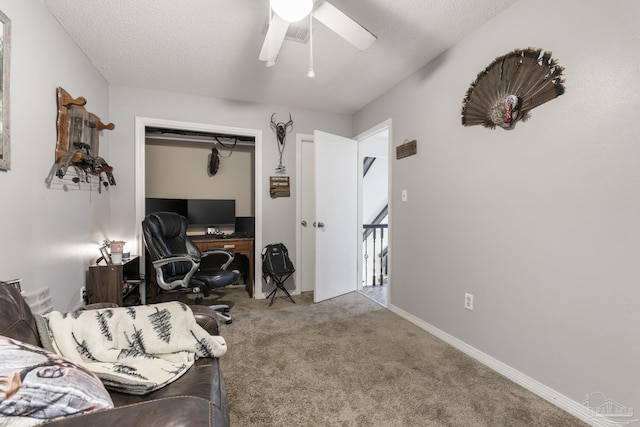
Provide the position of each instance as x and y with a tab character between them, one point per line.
198	398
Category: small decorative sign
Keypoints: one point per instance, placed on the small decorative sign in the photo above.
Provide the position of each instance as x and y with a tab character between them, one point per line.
279	186
406	149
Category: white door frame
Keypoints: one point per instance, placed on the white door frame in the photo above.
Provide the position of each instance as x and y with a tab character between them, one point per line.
139	143
360	137
300	139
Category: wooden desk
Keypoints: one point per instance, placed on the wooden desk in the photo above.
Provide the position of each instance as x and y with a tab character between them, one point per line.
243	246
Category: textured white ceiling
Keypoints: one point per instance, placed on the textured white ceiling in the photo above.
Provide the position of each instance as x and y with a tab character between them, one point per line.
211	47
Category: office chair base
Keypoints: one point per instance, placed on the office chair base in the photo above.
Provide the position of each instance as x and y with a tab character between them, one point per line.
224	317
221	312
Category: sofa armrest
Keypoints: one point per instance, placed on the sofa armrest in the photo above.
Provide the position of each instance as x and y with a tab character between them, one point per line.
206	318
204	315
172	411
99	305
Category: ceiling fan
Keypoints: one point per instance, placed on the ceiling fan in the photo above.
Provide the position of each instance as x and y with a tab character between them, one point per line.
284	12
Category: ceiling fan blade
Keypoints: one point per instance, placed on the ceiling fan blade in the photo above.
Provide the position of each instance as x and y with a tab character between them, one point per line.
273	40
344	26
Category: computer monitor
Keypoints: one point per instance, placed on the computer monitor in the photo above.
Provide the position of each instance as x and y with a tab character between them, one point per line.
178	206
246	225
211	212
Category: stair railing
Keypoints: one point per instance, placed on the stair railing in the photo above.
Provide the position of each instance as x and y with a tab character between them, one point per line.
375	243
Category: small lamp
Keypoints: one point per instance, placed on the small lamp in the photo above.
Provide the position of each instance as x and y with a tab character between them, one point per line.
292	10
117	247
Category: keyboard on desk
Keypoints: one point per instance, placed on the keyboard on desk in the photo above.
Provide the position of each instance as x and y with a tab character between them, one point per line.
229	236
240	235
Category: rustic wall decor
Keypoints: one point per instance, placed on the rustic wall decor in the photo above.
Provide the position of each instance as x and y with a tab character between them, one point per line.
279	186
281	129
406	149
510	87
78	144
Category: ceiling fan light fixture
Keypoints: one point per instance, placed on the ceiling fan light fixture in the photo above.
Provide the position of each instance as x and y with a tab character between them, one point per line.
292	10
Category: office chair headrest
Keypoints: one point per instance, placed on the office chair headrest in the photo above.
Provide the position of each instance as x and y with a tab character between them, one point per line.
169	225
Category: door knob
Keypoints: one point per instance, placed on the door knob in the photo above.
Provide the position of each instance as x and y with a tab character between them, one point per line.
320	224
303	223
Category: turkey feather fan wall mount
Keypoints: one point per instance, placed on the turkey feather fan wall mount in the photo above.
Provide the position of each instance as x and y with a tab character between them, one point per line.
510	87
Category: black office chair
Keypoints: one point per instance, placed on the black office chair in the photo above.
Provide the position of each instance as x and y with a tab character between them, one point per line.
176	259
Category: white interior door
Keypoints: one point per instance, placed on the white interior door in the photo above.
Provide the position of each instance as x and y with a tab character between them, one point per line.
336	218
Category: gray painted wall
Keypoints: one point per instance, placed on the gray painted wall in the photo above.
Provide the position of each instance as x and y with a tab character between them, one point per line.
539	223
181	170
278	215
49	236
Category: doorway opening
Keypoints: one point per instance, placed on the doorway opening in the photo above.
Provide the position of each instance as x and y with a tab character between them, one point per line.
326	214
253	203
374	172
365	161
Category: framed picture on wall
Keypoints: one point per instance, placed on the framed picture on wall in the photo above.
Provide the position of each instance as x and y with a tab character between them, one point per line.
5	59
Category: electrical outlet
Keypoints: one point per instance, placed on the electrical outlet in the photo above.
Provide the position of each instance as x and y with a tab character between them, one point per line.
468	301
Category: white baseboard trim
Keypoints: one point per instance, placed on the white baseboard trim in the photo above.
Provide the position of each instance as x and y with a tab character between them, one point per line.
558	399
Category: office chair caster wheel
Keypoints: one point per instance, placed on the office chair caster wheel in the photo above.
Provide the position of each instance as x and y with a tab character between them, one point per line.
223	317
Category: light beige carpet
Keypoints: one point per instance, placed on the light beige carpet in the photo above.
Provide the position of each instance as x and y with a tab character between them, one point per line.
350	362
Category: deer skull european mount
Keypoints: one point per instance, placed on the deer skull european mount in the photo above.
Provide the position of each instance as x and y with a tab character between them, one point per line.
281	129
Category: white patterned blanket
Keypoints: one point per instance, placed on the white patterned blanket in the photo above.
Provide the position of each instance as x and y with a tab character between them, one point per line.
131	349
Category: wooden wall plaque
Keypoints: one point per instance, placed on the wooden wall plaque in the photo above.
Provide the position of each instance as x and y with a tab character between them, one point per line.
406	149
279	186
